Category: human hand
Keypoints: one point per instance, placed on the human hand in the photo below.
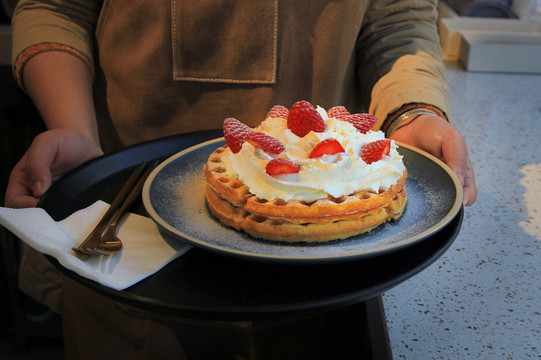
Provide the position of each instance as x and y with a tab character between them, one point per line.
51	154
438	137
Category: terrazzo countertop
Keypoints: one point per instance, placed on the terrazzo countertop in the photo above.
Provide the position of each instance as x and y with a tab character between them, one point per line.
482	298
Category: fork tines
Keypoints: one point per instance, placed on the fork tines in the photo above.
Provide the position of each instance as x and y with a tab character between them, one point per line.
102	239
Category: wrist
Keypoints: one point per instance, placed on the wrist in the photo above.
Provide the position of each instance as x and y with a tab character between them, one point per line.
407	118
403	116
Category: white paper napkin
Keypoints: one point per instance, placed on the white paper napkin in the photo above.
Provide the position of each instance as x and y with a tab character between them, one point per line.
145	250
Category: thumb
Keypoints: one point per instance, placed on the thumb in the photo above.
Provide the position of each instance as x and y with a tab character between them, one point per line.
455	154
39	161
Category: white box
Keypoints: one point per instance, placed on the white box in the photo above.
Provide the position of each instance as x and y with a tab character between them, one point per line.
490	51
450	30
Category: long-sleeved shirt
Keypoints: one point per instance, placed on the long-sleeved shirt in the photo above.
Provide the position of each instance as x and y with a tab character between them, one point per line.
166	67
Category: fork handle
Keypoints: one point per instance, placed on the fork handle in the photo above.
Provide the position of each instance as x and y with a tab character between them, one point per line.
117	202
131	197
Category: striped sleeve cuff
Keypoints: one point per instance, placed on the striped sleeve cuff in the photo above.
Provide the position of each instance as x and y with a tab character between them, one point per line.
28	53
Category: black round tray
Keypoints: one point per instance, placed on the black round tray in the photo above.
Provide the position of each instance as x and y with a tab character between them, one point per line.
206	285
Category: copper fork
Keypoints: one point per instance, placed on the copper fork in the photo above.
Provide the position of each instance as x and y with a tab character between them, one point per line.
103	239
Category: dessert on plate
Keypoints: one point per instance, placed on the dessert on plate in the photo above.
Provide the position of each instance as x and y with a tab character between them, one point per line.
306	175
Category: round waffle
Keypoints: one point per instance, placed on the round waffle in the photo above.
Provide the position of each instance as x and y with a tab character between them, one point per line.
294	220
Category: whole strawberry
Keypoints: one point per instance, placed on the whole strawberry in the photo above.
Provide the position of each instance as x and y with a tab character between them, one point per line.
303	118
362	122
338	112
375	151
265	142
277	111
235	134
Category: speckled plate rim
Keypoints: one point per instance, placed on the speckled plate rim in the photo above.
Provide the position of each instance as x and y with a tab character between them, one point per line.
197	241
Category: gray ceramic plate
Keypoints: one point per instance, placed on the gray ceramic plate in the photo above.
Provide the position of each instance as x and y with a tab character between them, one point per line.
174	197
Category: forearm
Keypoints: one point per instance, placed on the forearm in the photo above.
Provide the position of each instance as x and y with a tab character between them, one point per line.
60	85
400	58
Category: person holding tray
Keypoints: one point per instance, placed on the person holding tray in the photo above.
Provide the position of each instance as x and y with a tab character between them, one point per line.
106	75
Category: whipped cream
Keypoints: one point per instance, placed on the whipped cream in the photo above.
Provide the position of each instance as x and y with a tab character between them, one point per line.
336	175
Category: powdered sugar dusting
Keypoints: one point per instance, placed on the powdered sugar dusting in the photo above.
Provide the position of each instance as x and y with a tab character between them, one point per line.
177	195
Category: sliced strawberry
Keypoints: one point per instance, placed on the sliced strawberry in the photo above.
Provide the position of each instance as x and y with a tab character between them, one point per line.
328	146
281	166
338	112
235	133
265	142
277	111
362	122
303	118
375	150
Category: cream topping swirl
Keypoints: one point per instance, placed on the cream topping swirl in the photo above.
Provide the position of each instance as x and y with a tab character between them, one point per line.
335	175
